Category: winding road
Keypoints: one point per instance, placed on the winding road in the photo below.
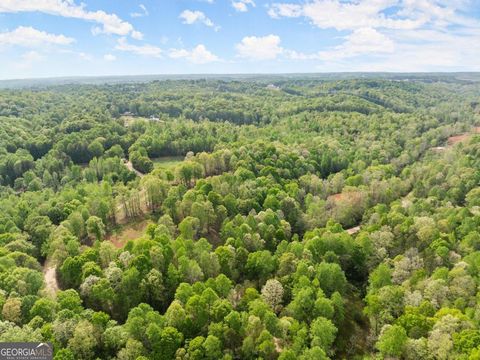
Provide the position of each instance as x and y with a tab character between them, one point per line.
130	167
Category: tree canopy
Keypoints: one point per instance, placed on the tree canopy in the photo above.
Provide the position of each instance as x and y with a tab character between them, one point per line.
329	219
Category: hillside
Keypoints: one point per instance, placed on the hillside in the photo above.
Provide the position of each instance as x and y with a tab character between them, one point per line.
319	216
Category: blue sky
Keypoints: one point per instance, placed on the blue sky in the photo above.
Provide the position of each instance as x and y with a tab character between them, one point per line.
43	38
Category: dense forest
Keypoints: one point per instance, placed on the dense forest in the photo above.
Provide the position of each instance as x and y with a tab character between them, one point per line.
289	218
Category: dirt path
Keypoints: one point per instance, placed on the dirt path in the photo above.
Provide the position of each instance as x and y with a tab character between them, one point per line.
130	167
50	278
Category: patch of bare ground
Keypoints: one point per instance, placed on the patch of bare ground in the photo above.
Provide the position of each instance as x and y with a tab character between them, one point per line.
278	344
127	232
452	140
344	196
455	139
353	230
50	278
438	148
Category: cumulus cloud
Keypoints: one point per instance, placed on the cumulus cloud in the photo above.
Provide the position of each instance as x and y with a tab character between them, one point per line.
109	23
361	41
260	48
144	50
198	55
393	33
384	14
341	15
242	5
190	17
31	37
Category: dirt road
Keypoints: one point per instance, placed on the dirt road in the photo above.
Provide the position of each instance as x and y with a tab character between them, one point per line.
50	278
130	167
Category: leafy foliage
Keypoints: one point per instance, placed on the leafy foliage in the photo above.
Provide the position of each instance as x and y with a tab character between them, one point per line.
246	255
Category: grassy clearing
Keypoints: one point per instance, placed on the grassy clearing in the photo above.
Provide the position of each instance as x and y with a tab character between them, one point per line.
167	162
128	119
131	231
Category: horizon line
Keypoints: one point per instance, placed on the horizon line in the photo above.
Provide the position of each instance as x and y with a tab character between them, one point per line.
67	77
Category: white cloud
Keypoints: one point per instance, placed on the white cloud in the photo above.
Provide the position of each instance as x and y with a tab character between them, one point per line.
413	58
415	50
390	35
110	23
190	17
260	48
277	11
364	41
109	57
360	41
341	15
178	53
386	14
198	55
428	50
30	37
137	35
242	5
295	55
144	50
143	13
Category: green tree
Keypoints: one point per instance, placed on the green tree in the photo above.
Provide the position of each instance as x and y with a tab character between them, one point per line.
323	333
95	228
84	340
44	308
170	341
392	340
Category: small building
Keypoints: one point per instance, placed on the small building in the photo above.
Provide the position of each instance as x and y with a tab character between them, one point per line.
273	87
